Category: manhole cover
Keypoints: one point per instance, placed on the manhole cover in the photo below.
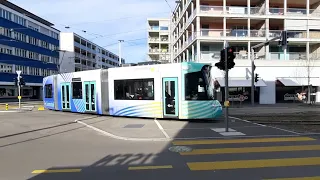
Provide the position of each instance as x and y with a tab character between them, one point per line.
180	149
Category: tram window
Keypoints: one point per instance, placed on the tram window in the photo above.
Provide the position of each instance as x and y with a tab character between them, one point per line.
76	90
48	91
134	89
195	87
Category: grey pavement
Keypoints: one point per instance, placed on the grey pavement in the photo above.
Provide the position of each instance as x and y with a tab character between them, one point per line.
93	155
155	129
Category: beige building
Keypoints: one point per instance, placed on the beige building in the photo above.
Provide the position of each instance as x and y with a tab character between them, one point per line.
159	40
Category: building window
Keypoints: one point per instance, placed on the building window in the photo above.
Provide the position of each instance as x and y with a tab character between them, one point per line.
5	50
6	68
48	91
195	86
134	89
76	90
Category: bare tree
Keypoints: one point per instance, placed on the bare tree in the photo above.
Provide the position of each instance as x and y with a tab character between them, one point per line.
306	72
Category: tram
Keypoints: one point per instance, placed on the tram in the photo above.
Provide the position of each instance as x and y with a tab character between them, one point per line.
180	91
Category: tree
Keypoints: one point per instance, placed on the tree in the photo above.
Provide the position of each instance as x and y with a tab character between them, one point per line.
305	72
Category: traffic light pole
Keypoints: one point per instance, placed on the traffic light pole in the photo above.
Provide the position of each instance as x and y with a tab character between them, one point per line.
252	76
19	92
252	65
226	89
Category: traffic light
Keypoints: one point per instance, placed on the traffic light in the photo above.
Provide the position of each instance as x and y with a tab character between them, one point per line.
22	83
221	64
284	39
230	59
256	77
15	80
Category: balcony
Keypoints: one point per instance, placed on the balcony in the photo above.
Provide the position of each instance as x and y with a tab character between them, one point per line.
215	56
290	11
288	56
274	33
218	10
154	39
237	33
154	28
211	32
164	39
211	9
258	33
158	51
297	34
296	12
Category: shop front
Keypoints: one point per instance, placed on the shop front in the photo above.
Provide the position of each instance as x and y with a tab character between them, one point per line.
239	90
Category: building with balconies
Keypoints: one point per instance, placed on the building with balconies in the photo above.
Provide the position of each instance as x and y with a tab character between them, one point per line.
159	40
200	28
80	54
27	44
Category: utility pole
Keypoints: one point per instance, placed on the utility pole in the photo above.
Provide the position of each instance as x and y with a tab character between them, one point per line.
120	52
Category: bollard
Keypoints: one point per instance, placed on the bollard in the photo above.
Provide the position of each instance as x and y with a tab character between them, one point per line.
7	107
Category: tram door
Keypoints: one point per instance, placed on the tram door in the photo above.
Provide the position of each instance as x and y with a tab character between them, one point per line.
170	98
90	95
65	96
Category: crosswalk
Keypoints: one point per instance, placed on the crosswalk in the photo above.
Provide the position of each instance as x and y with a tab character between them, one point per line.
255	153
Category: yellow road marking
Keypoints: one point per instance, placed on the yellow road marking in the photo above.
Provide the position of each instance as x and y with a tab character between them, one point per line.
56	171
245	164
298	178
234	141
252	150
150	167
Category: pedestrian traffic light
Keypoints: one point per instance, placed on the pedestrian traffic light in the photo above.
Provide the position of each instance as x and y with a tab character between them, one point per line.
256	77
230	59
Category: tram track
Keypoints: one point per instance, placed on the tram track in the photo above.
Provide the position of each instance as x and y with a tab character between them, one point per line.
287	122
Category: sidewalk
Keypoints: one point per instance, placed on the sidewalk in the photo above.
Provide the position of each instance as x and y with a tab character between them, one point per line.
272	109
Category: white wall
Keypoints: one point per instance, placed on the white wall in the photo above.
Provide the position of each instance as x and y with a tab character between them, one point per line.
314	24
268	93
67	63
295	24
67	41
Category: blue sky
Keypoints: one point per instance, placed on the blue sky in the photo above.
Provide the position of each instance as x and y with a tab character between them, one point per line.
112	19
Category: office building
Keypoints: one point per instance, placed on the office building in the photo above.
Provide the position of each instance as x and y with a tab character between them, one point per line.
202	27
27	43
159	40
80	54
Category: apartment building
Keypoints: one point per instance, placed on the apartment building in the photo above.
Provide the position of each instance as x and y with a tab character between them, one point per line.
27	43
159	40
80	54
202	27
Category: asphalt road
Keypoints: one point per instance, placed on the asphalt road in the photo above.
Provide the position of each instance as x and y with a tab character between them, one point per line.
46	145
